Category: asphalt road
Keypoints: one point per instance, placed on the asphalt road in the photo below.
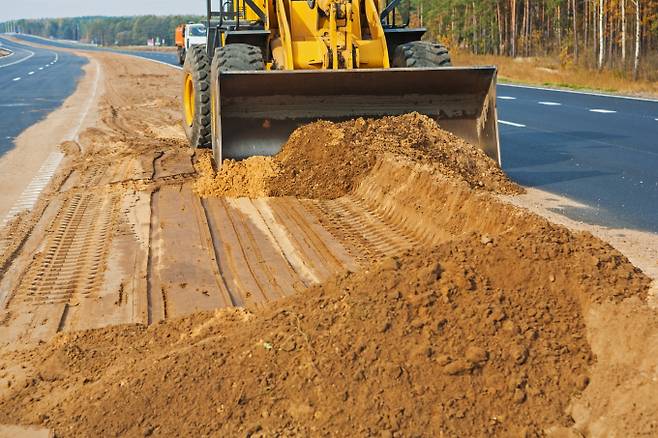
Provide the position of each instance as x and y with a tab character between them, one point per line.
33	82
599	150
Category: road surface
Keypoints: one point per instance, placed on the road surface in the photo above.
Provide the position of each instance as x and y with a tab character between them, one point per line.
598	150
33	82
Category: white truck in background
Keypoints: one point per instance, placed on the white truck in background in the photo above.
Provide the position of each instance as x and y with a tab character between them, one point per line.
187	36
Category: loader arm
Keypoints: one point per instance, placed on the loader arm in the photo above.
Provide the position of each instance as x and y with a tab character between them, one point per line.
297	61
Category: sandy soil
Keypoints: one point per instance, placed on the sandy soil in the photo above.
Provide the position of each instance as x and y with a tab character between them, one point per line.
412	297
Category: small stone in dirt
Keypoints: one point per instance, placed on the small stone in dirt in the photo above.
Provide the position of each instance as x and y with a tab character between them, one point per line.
519	354
443	359
582	381
390	264
476	354
519	396
459	366
486	239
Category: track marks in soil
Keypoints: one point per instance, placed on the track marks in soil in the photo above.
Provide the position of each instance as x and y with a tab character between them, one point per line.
130	242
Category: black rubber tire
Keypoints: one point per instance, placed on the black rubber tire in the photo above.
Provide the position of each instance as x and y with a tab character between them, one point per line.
421	54
197	65
181	56
239	57
232	57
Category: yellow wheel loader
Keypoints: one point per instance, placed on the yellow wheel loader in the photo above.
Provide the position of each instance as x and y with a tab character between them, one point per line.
272	65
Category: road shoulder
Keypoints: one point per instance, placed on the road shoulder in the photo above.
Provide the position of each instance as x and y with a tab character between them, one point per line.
34	146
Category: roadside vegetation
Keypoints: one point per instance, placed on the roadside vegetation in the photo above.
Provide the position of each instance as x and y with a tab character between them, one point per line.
105	31
597	44
548	71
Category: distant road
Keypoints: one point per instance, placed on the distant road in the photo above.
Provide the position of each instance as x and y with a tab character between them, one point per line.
167	58
33	82
601	151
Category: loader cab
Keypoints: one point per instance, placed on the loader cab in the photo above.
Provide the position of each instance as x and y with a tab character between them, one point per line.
256	22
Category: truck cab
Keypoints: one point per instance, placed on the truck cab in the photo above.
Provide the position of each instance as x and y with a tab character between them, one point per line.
187	36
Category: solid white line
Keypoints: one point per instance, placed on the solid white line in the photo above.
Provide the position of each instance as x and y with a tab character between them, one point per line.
506	97
518	125
549	103
588	93
16	79
76	130
31	54
602	111
152	60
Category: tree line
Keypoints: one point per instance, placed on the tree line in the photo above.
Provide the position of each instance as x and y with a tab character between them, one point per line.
613	34
104	31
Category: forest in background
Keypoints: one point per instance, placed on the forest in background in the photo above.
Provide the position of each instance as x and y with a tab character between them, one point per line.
619	35
105	31
616	35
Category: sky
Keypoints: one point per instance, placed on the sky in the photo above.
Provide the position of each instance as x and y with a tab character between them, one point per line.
15	9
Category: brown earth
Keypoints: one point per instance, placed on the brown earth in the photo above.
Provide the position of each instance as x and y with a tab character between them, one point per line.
328	160
406	297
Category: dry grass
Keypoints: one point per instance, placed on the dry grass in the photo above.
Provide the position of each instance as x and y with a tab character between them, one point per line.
549	72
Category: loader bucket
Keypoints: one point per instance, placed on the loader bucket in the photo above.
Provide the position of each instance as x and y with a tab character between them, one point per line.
258	110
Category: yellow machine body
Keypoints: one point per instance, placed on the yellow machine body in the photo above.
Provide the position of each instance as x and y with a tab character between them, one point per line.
329	59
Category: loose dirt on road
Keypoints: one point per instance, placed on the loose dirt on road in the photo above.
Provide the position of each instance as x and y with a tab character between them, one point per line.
371	280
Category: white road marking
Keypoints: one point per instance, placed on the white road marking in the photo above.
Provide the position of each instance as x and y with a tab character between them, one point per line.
588	93
602	111
40	68
31	54
518	125
506	97
30	73
31	194
16	79
550	103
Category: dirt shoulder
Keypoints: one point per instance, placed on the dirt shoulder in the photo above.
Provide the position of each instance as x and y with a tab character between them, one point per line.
411	297
549	73
36	144
4	52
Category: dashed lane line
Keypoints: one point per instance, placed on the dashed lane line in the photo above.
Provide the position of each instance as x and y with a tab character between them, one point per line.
506	98
602	111
516	125
16	79
30	73
550	103
31	194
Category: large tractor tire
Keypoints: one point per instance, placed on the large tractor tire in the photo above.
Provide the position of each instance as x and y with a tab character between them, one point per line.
196	97
232	57
418	54
238	57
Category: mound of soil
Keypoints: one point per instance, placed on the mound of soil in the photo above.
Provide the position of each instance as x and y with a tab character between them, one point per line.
237	178
447	340
326	160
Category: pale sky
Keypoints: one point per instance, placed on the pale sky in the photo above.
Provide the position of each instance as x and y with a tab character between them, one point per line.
15	9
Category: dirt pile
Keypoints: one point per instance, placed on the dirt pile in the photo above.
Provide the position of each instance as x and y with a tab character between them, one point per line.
448	340
248	177
327	160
